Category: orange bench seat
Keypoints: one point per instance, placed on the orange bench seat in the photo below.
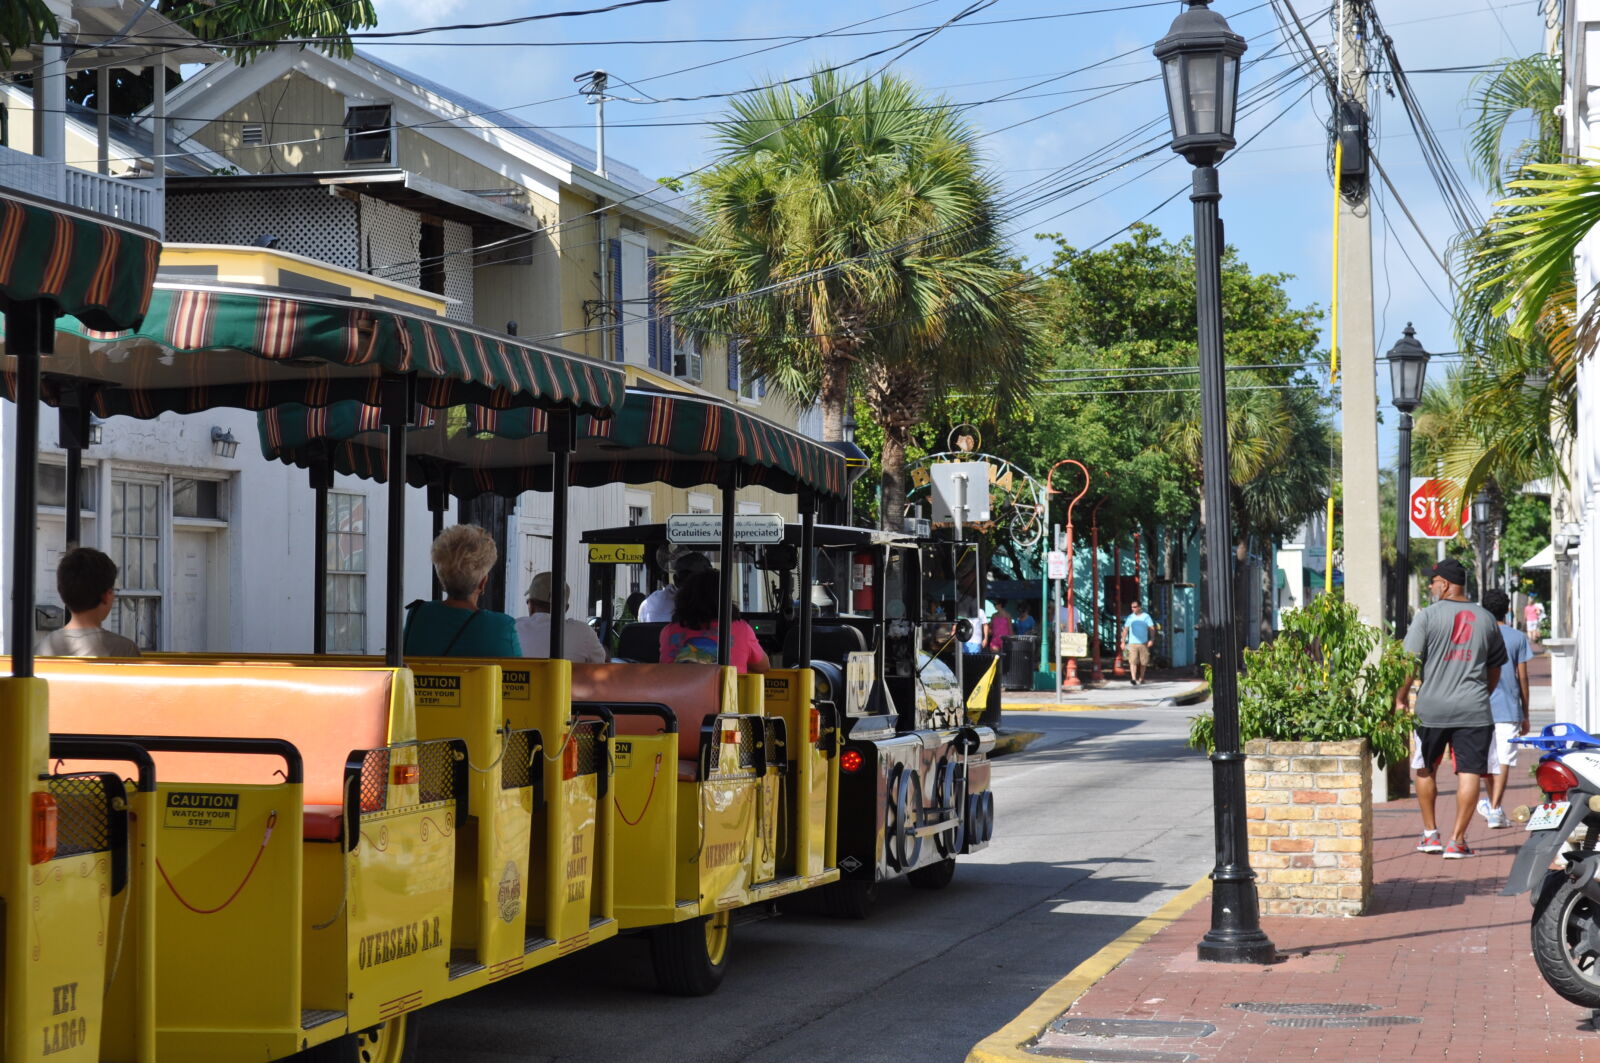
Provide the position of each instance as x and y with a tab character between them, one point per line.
692	691
325	713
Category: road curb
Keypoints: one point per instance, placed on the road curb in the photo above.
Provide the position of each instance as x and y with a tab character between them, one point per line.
1194	695
1005	1044
1014	742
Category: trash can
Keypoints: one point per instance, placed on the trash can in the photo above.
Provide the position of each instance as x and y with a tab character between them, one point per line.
974	666
1021	654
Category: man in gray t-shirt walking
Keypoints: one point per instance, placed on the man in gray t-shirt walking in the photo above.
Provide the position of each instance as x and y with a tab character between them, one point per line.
1460	649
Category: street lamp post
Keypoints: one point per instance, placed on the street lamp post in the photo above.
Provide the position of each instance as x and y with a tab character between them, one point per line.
1482	511
1408	368
1200	70
1068	675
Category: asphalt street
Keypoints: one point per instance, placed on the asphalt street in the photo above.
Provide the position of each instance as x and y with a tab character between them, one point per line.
1098	824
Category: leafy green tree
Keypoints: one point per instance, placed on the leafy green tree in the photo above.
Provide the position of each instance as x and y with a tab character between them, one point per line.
1123	398
848	235
247	27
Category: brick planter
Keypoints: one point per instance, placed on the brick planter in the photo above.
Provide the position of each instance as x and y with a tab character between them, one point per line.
1309	810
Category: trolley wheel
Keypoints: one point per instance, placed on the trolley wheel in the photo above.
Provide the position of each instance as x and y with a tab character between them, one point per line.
949	796
934	876
907	796
850	898
394	1041
690	957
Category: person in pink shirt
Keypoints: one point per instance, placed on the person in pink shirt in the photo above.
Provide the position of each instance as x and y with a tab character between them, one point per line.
691	638
1532	613
999	628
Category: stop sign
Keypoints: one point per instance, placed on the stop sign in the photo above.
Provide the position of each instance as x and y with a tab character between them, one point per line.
1433	515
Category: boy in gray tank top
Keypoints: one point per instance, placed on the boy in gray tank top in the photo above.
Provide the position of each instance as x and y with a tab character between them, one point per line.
1459	648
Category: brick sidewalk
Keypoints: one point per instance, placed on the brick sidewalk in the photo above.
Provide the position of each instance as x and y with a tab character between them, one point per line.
1442	963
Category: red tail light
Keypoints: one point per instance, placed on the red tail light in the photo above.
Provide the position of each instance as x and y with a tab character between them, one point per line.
44	828
816	725
404	774
1555	779
850	761
569	760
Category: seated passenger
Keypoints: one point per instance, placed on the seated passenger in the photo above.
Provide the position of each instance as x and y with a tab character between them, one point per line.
86	580
692	635
658	608
456	627
533	631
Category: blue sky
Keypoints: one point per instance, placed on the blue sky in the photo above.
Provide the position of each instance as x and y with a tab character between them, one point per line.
1071	93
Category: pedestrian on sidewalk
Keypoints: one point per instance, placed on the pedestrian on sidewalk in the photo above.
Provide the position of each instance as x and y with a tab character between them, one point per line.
1532	614
1509	705
1138	632
1459	648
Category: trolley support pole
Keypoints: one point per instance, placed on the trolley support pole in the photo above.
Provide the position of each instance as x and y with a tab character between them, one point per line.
561	442
73	432
321	481
808	537
399	402
730	502
438	503
30	332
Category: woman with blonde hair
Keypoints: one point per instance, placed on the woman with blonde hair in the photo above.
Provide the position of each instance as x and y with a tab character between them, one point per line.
456	627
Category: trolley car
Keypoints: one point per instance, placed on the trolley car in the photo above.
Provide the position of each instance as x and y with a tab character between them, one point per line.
886	659
201	861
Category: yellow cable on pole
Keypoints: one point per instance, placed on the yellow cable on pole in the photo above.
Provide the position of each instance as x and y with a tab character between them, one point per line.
1333	344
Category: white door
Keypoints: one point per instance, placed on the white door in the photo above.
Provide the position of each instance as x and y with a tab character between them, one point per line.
193	586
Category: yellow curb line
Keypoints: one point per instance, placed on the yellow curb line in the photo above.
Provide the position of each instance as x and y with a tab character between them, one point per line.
1050	706
1005	1044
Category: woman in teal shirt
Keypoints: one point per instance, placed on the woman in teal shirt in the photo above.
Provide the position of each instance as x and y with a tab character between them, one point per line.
456	627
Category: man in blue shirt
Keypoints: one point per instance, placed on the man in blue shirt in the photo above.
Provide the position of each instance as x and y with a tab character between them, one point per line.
1509	703
1138	632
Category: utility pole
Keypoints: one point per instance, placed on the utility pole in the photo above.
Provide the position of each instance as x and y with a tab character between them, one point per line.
1363	559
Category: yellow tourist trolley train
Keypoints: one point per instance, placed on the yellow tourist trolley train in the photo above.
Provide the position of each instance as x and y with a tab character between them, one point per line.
245	856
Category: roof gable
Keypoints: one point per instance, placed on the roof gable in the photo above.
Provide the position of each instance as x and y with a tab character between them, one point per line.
490	136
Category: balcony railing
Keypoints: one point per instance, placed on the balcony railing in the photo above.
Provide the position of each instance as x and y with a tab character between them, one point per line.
135	200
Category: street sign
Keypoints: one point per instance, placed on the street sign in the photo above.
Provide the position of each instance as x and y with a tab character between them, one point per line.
1074	644
1055	565
706	528
616	553
1433	514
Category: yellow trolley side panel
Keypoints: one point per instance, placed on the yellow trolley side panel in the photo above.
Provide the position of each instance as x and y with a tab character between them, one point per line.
228	917
645	794
55	912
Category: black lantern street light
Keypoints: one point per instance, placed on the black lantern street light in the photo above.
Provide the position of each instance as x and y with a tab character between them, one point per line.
1200	68
1482	511
1408	368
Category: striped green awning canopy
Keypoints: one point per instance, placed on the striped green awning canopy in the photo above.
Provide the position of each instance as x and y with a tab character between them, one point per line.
654	437
94	269
204	346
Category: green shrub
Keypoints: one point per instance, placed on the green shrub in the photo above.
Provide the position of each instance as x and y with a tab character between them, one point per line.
1327	677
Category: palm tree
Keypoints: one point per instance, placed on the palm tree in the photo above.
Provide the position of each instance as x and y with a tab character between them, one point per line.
850	227
1502	419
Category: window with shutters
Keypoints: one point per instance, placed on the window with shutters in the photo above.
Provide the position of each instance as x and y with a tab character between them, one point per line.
688	361
634	300
741	382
